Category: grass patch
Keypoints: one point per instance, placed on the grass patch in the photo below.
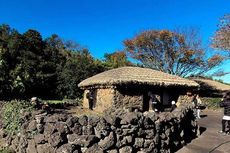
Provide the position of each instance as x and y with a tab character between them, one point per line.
54	101
76	102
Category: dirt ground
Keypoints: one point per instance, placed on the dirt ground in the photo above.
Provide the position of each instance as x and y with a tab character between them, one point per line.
78	111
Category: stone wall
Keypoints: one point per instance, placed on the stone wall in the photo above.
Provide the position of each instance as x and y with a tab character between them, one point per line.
126	99
117	131
1	105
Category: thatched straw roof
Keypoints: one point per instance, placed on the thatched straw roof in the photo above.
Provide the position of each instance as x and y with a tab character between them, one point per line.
212	84
135	75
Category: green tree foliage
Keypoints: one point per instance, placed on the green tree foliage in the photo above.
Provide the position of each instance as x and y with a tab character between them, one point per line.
116	59
171	52
47	68
5	59
79	65
4	73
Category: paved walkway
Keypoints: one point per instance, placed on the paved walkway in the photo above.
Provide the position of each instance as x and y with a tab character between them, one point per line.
210	141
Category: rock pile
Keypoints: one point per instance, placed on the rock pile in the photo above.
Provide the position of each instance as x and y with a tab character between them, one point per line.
118	132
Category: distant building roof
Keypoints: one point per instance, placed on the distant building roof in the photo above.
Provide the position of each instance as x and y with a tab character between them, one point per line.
136	75
212	84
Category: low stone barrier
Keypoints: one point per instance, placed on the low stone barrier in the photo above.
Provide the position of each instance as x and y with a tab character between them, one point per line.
117	131
1	105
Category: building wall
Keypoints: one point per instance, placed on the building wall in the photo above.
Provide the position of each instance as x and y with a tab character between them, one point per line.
103	99
109	97
85	102
128	99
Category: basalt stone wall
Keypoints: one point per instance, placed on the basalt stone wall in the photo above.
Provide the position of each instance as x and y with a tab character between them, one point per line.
115	132
126	99
1	106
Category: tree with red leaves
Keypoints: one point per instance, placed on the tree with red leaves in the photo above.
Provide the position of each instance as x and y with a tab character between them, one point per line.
221	39
171	52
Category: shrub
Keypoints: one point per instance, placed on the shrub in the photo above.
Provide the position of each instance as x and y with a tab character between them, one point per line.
6	151
211	102
12	115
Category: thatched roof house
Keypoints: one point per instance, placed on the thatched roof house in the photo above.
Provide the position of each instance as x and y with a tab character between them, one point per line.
129	86
211	88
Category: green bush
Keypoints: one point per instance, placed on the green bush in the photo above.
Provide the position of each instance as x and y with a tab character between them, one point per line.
12	115
211	102
6	151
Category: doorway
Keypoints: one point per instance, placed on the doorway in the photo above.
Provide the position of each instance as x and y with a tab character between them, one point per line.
146	104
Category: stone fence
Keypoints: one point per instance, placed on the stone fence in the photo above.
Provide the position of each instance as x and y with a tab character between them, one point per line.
1	105
114	132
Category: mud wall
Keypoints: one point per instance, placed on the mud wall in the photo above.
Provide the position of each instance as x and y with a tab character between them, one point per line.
103	99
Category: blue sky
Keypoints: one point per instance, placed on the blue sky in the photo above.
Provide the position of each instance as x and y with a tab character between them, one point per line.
102	25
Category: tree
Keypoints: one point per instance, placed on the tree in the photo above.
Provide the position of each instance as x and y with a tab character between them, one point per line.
79	66
35	70
49	68
171	52
116	59
51	59
8	47
221	39
26	69
4	72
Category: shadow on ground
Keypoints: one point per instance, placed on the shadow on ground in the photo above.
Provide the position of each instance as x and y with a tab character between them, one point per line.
202	116
202	130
